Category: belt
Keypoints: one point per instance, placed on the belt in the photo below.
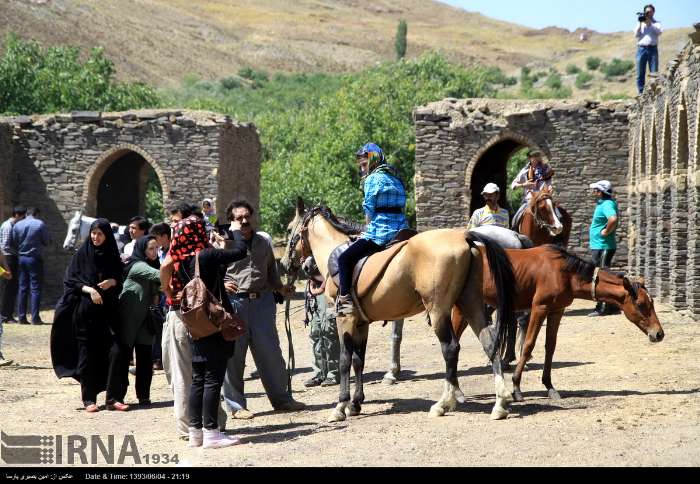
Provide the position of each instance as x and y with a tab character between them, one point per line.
247	295
388	210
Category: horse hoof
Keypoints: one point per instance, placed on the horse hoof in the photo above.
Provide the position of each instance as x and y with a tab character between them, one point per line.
517	396
460	396
436	411
389	379
554	395
336	416
350	411
499	413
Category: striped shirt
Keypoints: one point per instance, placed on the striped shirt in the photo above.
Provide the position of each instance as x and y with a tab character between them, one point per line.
6	238
485	216
383	191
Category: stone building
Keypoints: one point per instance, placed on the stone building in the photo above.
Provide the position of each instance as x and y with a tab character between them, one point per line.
664	180
99	163
463	144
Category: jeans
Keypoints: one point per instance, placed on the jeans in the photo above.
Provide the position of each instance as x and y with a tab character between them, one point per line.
646	55
9	289
205	393
31	272
348	259
602	258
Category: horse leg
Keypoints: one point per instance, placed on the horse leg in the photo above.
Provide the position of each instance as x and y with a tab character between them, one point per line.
346	325
396	336
536	318
509	354
450	352
359	341
553	321
523	320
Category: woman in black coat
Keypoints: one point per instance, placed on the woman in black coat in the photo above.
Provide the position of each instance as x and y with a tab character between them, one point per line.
82	334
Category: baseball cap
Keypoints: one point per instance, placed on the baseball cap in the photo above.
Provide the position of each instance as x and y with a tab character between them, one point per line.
604	186
490	188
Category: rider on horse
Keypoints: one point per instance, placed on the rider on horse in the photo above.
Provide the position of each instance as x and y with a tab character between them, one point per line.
384	201
491	213
533	178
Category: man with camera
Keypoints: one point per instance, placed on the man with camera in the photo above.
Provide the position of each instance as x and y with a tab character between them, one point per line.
647	34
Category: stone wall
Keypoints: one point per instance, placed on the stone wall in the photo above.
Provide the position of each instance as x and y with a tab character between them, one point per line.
461	144
664	180
59	162
6	171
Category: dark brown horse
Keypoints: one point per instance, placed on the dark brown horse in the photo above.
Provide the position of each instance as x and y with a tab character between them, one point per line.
541	224
548	279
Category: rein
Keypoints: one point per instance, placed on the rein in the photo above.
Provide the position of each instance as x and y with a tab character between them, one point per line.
539	222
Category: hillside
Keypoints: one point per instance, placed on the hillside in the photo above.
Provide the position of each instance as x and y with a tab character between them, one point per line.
162	41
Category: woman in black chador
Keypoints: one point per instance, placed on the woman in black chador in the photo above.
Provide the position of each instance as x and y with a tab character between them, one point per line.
86	315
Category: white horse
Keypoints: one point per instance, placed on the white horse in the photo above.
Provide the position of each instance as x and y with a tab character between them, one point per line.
507	239
79	228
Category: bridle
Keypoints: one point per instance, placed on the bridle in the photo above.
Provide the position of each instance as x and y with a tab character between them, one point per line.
301	234
539	221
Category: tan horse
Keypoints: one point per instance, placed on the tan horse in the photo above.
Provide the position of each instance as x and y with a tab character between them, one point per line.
433	272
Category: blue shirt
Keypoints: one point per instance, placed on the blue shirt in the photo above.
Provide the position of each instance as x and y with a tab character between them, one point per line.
383	191
603	211
30	236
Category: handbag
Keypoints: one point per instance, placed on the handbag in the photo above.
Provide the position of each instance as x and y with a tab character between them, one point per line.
203	314
155	317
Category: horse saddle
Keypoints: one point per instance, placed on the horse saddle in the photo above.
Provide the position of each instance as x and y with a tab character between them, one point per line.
369	269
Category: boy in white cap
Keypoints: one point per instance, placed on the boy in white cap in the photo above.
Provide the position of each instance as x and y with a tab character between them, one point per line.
602	231
491	213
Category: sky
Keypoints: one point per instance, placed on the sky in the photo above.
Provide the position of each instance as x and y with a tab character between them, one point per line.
600	15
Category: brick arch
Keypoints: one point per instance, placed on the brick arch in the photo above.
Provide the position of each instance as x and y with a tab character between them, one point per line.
640	159
667	142
682	138
106	160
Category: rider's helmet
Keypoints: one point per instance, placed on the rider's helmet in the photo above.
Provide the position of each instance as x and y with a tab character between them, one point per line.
374	154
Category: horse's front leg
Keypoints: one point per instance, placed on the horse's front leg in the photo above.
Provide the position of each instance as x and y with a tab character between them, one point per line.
345	330
392	375
358	364
553	320
450	352
533	328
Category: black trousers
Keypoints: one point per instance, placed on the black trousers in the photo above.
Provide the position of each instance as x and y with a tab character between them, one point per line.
602	258
348	259
205	393
89	370
9	289
118	379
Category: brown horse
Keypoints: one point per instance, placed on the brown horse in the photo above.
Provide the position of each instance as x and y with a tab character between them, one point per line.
433	272
541	224
548	279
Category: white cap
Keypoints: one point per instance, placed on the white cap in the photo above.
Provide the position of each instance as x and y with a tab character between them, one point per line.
604	186
490	188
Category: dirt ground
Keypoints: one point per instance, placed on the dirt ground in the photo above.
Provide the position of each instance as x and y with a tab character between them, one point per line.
626	402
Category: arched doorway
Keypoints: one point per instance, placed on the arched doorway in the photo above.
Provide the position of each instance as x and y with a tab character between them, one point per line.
125	182
498	162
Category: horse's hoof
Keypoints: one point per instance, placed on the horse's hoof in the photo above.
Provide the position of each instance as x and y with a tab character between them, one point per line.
336	416
517	396
553	394
459	395
436	411
499	413
389	379
351	411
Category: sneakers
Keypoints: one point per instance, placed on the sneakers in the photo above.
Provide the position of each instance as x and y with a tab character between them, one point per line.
242	414
3	361
314	381
214	439
196	438
344	305
595	314
118	406
290	406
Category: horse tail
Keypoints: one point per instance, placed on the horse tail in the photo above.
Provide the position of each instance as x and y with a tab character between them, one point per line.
504	280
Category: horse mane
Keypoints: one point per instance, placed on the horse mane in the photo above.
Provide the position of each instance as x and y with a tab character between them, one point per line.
573	263
347	227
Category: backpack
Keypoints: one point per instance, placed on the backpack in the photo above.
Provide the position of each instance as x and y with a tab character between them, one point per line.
204	315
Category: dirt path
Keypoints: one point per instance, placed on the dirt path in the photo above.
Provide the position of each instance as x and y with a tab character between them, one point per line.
626	402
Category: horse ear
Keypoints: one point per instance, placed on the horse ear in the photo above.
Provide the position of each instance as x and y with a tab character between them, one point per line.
627	283
300	206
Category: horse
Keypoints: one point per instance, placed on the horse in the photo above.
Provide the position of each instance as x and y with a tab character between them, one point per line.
548	279
506	239
79	228
432	272
540	222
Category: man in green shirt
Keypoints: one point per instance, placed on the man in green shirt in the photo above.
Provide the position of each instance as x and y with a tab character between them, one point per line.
602	232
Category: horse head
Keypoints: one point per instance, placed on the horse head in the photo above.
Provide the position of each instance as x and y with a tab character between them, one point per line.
542	209
73	231
296	250
638	307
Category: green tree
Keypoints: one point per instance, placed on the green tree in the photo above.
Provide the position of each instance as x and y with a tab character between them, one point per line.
617	67
401	43
515	163
54	79
154	199
593	63
572	69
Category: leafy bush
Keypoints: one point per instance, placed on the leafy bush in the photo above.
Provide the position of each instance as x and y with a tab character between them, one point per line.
54	79
513	167
154	199
617	67
229	83
257	78
553	81
572	69
583	79
593	63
